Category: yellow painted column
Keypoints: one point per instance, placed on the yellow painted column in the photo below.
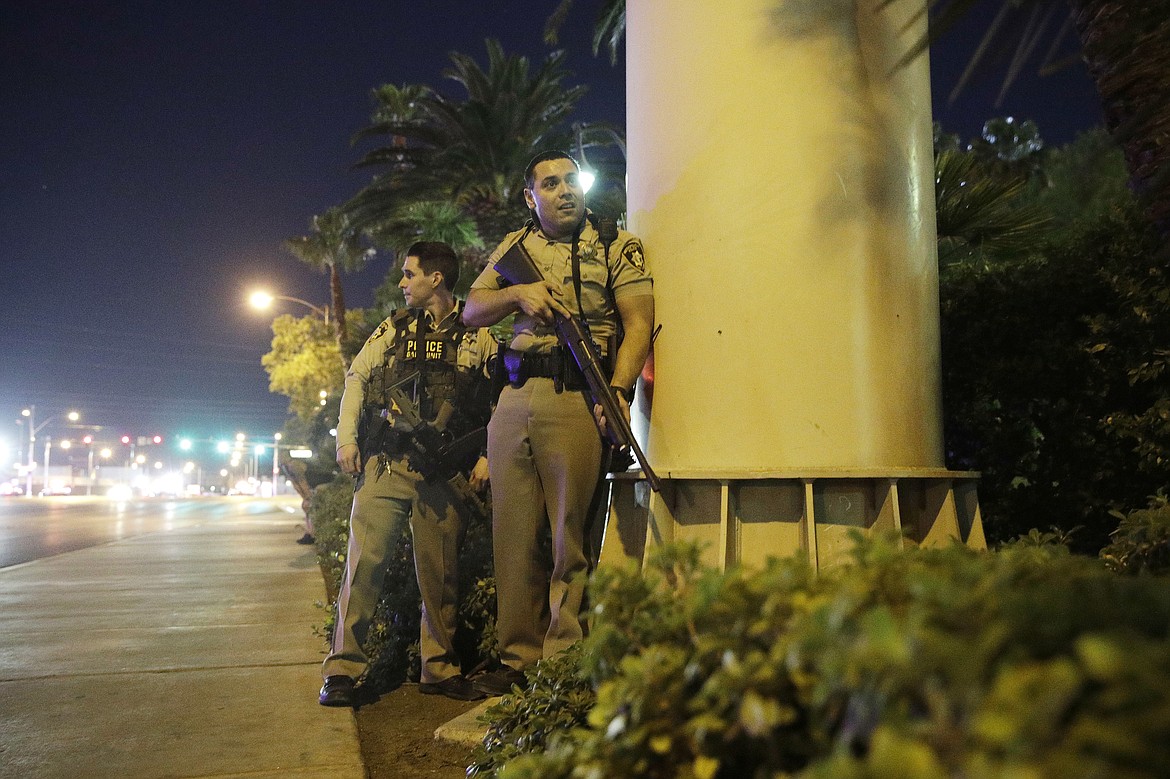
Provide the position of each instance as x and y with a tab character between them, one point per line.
781	177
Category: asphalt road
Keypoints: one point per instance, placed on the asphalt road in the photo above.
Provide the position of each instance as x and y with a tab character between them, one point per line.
32	528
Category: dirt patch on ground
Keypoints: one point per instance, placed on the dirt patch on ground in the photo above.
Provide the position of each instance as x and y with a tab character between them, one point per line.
397	735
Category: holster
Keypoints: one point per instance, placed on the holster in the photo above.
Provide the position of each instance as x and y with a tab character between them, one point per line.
377	436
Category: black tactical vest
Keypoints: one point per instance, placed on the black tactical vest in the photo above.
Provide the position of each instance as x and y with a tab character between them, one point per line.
435	357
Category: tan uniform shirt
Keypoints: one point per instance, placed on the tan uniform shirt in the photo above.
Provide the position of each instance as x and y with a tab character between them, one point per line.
627	274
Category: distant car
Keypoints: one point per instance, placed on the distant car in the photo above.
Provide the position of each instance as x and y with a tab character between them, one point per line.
8	489
56	490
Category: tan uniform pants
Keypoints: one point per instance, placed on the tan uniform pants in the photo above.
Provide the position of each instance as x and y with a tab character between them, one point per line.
383	500
544	455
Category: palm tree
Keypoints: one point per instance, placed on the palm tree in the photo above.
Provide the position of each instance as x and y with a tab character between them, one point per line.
333	246
1126	47
471	152
427	221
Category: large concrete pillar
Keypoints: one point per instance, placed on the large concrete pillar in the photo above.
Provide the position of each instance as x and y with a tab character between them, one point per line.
781	177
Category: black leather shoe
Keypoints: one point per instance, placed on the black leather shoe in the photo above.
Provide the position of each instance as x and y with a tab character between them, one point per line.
500	681
306	539
457	687
337	691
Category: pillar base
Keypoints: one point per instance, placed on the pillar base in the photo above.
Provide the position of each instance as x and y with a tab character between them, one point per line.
747	516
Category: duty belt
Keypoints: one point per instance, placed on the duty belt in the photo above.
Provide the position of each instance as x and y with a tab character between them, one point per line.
555	365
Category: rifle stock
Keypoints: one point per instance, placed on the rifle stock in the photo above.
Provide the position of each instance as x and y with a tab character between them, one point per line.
518	267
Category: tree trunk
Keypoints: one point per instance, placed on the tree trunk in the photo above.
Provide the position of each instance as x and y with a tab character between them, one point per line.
338	301
1126	46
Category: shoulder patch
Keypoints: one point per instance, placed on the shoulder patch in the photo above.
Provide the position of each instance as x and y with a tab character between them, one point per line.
381	331
632	253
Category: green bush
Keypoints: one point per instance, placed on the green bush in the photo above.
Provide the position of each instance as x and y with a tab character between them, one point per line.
558	696
1028	662
1054	380
392	644
1083	180
1141	544
329	509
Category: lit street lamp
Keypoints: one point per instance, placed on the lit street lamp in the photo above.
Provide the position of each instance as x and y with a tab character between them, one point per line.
579	128
292	450
262	301
33	429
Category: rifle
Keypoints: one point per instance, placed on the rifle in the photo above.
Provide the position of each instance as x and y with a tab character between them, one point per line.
517	266
433	453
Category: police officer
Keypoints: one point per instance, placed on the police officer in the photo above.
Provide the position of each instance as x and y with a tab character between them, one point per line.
544	444
450	359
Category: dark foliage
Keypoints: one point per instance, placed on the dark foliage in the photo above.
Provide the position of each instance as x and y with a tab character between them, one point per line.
1054	382
1141	544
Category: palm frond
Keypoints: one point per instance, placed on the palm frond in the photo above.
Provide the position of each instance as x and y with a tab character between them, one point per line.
610	28
552	25
469	151
981	216
333	242
1012	37
428	220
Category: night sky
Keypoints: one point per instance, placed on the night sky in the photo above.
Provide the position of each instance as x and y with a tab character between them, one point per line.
154	155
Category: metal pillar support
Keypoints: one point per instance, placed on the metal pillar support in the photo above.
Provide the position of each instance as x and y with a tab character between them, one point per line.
742	518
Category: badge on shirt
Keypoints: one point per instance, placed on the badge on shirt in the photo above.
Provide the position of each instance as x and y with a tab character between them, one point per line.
633	255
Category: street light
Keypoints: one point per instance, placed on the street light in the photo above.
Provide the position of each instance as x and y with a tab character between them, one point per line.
262	301
106	453
276	463
33	429
586	174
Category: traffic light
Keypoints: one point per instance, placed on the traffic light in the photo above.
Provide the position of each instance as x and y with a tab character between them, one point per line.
126	439
157	439
87	439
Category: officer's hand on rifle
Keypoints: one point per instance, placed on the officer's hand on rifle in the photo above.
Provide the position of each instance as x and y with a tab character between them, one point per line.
541	300
599	412
349	457
479	475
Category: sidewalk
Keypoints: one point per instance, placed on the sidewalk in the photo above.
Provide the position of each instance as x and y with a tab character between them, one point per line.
185	653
